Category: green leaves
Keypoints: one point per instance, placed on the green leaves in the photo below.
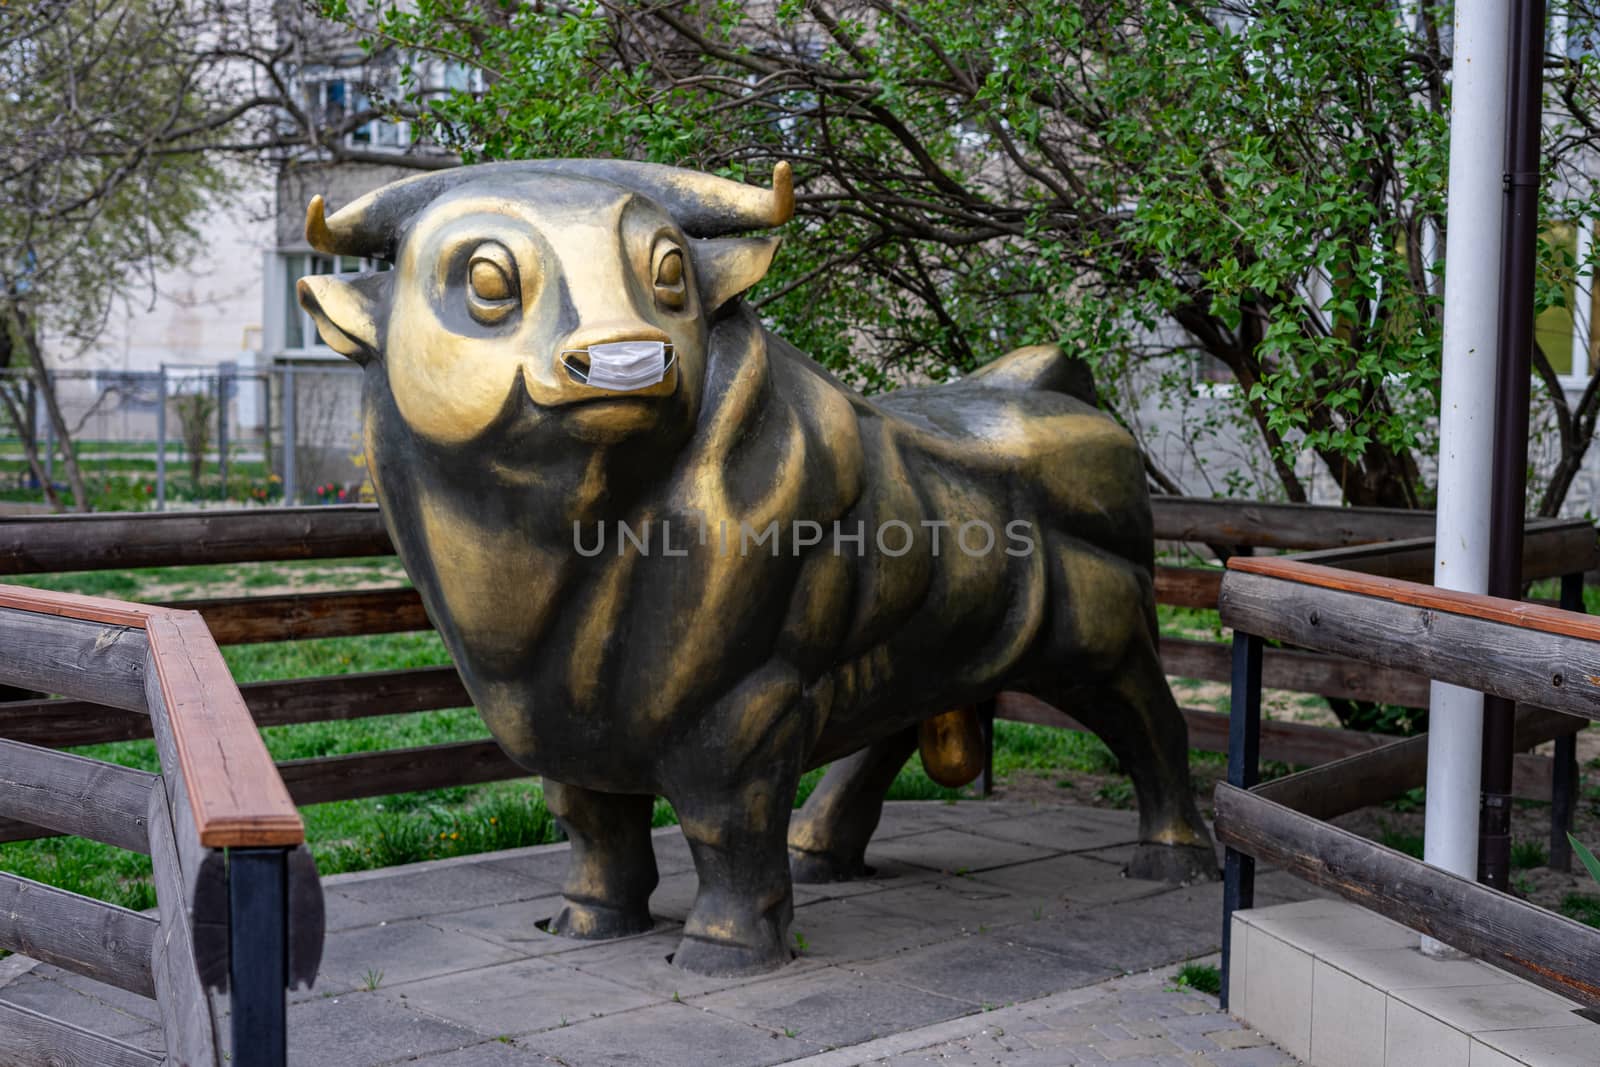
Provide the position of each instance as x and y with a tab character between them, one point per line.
1151	183
1590	862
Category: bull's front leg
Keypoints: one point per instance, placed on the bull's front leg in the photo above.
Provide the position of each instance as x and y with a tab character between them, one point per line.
734	804
613	867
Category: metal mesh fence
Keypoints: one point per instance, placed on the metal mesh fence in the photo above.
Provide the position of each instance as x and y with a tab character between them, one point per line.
185	436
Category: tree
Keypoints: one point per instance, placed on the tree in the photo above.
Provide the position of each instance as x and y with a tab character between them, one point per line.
1255	186
122	122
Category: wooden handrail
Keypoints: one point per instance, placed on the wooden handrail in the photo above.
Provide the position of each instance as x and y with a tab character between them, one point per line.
1473	605
231	783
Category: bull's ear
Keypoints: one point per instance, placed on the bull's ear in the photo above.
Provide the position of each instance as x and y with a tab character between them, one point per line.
728	266
347	311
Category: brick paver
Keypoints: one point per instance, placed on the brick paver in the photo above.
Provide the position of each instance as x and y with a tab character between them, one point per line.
991	933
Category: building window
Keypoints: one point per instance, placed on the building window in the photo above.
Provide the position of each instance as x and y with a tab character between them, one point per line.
299	332
331	99
1564	333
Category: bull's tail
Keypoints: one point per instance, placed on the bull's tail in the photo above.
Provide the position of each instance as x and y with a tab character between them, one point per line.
1039	367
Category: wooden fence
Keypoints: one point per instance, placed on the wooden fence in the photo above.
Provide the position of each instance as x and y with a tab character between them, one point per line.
215	839
239	907
1538	656
1353	537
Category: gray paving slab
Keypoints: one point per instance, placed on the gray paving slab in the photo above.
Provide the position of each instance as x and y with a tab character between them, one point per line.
669	1035
987	970
913	964
363	1030
1073	878
402	952
514	926
954	851
442	889
1065	829
833	1008
492	1053
60	1001
517	998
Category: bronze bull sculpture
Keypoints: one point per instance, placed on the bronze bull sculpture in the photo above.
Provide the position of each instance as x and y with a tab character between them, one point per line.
826	571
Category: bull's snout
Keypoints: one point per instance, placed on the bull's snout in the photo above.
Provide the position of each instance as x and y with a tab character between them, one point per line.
616	355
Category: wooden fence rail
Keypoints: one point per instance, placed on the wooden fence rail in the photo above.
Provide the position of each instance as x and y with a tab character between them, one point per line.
239	904
1539	656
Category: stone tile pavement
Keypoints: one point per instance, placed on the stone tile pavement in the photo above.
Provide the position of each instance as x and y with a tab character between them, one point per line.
991	932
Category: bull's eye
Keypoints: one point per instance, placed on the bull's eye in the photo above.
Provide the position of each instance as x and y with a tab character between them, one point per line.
491	283
670	290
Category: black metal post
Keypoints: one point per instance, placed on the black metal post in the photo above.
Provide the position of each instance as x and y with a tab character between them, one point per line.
1244	769
1519	240
258	965
224	395
985	782
1564	770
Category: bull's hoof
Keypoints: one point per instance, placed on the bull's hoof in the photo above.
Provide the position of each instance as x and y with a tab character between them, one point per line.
1173	863
814	868
596	922
724	959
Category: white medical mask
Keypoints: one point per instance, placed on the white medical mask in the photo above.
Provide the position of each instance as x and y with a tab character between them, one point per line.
622	366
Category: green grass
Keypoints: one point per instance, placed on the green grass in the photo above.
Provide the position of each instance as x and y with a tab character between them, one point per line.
1201	977
382	831
1528	854
1400	840
1584	907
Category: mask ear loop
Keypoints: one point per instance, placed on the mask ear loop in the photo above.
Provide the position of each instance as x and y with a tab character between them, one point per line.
581	376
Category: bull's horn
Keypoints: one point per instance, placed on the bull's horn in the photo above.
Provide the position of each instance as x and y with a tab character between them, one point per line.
317	235
703	204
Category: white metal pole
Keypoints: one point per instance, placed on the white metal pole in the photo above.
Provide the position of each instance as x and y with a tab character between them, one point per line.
1466	415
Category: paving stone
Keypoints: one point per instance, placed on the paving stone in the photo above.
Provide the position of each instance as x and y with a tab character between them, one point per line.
1066	830
668	1035
1261	1056
124	1001
1128	1048
854	928
1240	1038
833	1008
515	998
954	851
441	889
402	952
985	969
60	1001
513	925
1077	879
488	1054
1108	938
643	963
363	1029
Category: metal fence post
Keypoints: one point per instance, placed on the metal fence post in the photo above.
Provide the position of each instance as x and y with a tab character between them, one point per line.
161	439
1244	769
258	962
1564	769
49	438
224	394
291	492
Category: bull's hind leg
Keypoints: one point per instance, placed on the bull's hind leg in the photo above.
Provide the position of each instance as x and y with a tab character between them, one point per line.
1115	687
613	867
1134	714
828	837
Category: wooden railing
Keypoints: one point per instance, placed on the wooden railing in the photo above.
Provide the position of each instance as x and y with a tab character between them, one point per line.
1539	656
102	542
239	907
190	869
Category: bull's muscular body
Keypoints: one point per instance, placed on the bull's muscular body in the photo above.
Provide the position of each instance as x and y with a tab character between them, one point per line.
711	668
